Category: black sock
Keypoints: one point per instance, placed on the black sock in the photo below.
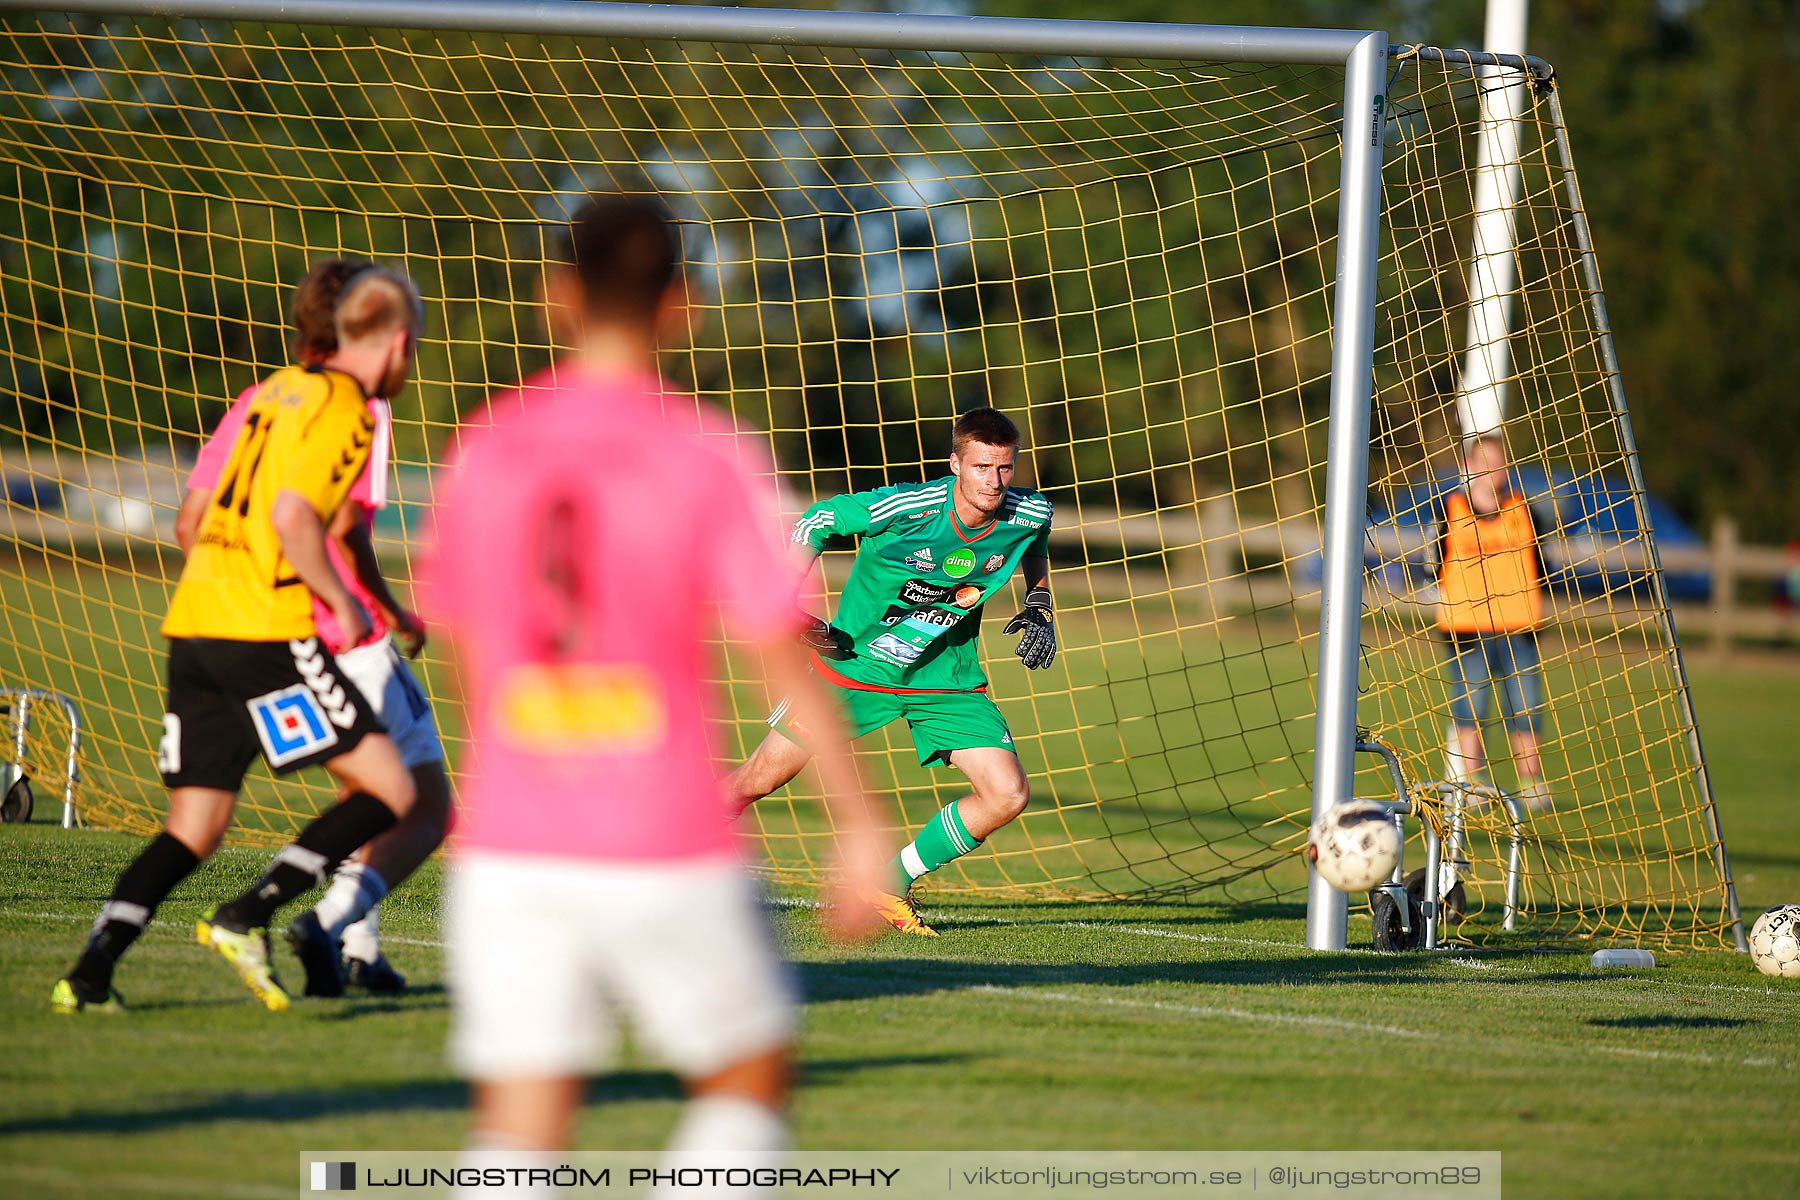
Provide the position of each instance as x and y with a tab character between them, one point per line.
142	886
309	860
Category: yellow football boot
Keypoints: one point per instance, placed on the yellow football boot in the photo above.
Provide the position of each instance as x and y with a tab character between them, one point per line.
67	998
248	954
901	913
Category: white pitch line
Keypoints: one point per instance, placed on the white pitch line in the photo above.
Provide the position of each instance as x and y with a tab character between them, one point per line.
800	902
1461	1039
1206	1010
1227	939
179	929
1180	936
1696	1057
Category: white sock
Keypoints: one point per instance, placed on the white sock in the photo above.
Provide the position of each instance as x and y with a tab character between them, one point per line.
362	941
354	890
731	1131
1457	767
1534	794
495	1150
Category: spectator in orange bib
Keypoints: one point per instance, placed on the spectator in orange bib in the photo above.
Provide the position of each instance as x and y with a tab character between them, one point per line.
1490	605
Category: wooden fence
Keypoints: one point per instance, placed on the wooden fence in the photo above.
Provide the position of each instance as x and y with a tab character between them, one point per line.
1207	553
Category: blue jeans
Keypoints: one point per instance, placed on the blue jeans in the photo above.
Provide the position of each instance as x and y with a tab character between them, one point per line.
1479	662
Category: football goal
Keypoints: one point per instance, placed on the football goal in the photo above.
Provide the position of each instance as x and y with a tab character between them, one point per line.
1220	277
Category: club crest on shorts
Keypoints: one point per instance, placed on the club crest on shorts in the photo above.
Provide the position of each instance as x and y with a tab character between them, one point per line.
291	724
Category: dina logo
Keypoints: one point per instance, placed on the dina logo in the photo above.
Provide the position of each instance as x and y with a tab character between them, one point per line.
958	563
334	1177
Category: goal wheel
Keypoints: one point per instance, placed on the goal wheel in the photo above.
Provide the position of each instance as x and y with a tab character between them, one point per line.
1390	934
1451	905
16	808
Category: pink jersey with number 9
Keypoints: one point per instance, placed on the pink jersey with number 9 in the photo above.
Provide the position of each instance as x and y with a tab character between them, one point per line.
583	543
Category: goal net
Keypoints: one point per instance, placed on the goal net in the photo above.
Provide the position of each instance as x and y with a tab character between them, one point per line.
1135	259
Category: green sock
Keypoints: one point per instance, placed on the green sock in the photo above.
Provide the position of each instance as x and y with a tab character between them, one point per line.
944	839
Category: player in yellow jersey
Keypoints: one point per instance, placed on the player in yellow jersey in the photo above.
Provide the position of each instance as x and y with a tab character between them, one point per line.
247	673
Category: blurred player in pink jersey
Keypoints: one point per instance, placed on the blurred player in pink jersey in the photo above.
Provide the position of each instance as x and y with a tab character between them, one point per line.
583	540
346	915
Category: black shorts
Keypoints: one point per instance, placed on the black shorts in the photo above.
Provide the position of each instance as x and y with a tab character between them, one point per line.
230	701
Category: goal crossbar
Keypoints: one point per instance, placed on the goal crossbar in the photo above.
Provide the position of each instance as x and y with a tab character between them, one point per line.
1363	55
772	27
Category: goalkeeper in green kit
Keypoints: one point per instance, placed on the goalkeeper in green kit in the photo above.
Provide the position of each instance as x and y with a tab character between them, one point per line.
902	644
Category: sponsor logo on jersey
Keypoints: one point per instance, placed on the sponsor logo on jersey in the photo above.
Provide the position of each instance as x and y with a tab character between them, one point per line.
915	592
291	724
1027	522
925	617
583	708
923	513
224	541
922	560
994	563
895	650
968	596
958	563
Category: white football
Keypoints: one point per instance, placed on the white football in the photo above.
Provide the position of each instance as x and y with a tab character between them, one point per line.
1355	845
1775	942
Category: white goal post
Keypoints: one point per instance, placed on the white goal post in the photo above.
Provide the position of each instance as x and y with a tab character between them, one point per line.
1362	55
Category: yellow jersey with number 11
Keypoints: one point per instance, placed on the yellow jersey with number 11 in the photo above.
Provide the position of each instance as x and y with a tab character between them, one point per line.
308	431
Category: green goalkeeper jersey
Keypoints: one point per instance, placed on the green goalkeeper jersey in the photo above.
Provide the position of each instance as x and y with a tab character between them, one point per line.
912	606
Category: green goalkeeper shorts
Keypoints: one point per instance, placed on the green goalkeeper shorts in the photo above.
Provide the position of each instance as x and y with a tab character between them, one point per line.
941	722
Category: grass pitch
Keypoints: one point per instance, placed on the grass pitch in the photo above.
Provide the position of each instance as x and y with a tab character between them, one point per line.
1028	1025
1039	1025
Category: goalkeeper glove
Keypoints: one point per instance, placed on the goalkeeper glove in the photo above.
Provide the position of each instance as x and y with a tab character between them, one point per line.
1037	646
823	640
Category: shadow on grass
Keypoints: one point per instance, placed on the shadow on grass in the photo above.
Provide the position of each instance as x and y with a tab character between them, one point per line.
861	979
417	998
968	912
425	1095
1740	857
1669	1021
134	1006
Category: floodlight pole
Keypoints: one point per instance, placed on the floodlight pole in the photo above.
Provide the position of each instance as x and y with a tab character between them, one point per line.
1347	463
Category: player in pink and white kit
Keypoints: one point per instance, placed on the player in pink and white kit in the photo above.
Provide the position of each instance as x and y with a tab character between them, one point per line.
346	914
583	541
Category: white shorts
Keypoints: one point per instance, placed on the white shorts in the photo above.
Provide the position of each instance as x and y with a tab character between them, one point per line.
382	676
544	955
